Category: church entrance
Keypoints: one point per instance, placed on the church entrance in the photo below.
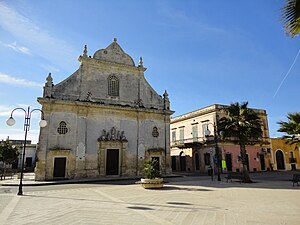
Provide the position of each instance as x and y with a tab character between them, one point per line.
59	167
112	162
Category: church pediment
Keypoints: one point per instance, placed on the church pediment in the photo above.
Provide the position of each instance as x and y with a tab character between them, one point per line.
114	53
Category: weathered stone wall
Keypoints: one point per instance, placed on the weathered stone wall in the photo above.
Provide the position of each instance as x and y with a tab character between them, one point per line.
136	120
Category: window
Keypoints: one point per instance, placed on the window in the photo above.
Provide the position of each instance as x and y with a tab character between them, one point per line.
207	159
155	132
195	132
113	86
62	129
205	131
181	135
173	135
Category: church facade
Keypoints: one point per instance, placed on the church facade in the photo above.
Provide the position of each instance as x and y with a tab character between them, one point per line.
104	120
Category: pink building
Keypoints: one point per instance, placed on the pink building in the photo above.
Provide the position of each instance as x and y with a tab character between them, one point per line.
195	138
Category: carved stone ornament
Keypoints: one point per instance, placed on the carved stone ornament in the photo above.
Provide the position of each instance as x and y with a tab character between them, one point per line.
48	87
112	135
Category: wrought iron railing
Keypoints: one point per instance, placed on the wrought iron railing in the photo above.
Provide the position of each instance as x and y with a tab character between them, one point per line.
182	142
211	139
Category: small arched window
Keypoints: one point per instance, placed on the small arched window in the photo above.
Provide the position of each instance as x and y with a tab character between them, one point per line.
155	132
62	129
113	86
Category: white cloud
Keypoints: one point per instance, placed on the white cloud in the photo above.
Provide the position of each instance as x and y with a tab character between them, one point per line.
5	110
14	46
4	78
40	41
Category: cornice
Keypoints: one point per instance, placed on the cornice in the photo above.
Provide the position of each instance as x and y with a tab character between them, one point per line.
87	104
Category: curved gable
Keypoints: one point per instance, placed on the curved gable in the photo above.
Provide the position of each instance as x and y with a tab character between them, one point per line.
114	53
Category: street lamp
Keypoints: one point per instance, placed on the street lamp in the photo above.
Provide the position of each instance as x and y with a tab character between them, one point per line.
11	121
217	154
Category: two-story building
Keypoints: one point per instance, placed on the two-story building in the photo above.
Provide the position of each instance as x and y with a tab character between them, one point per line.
195	138
285	156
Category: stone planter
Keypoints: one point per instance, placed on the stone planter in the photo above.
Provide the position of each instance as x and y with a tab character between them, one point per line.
152	183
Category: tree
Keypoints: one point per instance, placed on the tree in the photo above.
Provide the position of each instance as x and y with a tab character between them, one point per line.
243	125
291	128
8	154
291	17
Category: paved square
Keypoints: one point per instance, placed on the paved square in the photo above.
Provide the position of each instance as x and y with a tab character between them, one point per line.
188	200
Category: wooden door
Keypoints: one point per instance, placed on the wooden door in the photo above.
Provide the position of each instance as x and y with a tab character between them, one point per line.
280	160
173	163
59	167
112	162
228	159
262	162
197	161
182	162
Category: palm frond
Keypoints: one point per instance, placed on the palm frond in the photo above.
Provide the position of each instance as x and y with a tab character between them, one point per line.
291	17
291	128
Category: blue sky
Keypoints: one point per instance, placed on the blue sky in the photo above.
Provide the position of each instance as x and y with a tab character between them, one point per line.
201	52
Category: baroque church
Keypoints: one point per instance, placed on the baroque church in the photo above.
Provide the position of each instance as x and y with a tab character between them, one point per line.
104	120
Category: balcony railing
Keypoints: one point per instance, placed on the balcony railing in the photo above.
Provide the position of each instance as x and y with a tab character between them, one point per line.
188	142
293	160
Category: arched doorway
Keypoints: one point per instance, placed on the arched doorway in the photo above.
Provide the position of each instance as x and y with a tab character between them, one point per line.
182	161
280	160
197	160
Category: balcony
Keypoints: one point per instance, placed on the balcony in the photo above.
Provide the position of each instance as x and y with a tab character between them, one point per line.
250	141
293	160
189	142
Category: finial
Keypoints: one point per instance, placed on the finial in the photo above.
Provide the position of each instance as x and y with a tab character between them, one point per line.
166	94
48	87
166	101
49	78
140	62
85	51
115	39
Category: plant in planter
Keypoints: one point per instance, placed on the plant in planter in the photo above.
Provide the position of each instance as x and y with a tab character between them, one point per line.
152	177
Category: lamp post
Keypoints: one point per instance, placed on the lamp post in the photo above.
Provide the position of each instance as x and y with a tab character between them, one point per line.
217	154
11	121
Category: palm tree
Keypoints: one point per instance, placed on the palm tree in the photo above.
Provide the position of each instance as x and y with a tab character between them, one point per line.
291	17
291	128
243	125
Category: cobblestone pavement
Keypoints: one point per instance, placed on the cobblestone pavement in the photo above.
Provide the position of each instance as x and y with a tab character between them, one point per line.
182	201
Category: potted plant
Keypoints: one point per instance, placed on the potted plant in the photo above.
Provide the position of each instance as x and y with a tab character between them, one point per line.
152	177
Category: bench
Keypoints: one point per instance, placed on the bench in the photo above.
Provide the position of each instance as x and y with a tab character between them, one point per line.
238	176
8	173
296	179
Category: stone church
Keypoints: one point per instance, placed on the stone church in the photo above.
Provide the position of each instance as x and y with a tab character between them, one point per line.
104	120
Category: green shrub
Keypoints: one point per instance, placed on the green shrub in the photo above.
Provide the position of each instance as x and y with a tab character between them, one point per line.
150	169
